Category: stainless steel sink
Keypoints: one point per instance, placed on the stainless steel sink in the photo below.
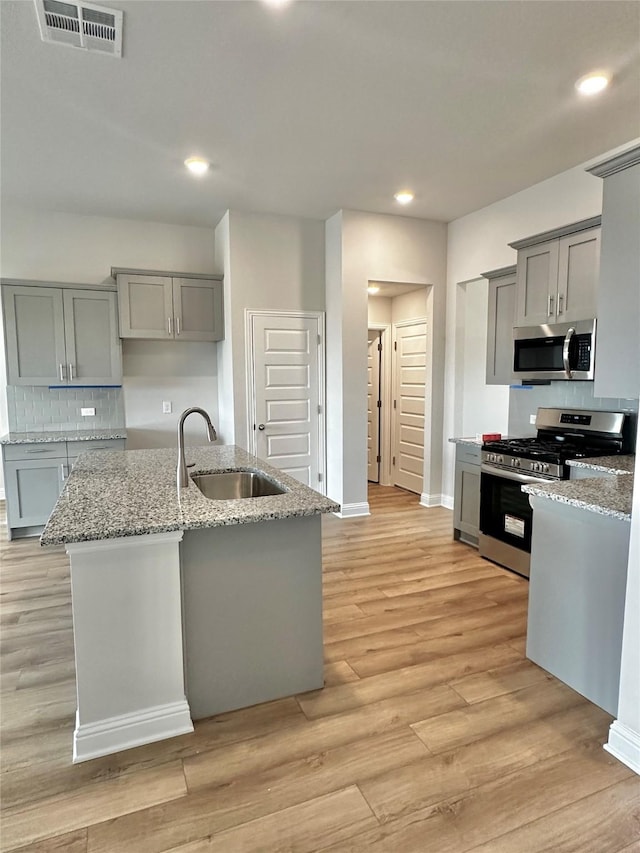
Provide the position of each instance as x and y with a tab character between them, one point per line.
232	485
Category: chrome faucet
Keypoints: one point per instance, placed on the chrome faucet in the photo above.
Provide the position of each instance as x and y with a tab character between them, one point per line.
183	476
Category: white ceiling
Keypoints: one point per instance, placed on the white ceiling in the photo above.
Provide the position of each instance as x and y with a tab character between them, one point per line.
313	107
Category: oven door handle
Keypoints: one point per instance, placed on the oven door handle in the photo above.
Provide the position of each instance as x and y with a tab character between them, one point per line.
516	476
565	352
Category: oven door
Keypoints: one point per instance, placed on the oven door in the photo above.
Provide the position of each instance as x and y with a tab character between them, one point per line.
505	517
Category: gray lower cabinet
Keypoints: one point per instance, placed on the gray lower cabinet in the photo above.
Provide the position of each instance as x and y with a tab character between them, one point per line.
501	318
170	307
33	478
61	336
466	499
618	336
34	475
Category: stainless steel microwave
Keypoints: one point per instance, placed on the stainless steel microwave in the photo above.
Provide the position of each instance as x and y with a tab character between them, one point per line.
558	351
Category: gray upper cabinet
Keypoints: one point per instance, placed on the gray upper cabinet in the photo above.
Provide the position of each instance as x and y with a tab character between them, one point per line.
166	307
557	275
618	337
501	319
61	336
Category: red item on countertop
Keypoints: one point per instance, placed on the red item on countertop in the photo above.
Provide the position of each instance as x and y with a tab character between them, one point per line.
491	436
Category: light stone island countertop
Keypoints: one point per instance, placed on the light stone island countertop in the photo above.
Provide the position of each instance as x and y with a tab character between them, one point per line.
605	495
476	442
63	435
110	494
623	464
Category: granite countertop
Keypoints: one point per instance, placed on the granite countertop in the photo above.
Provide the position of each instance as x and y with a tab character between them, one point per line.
610	464
476	442
609	496
62	435
110	494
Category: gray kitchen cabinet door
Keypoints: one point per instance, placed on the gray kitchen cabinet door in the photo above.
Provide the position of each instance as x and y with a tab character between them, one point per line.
578	274
91	335
34	335
146	306
32	488
501	319
537	284
198	309
466	509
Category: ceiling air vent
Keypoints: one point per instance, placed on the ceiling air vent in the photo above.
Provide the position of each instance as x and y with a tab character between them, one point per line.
82	25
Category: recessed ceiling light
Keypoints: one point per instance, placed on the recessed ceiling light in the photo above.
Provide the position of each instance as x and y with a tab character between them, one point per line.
277	4
373	288
593	83
404	196
197	165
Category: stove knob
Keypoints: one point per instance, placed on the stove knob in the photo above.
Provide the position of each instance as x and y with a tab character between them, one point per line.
515	463
545	468
534	466
500	459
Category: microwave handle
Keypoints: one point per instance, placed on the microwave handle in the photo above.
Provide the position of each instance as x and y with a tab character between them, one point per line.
565	352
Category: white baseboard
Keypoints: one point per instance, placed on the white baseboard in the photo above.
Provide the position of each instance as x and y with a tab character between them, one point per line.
624	744
436	500
353	510
128	730
430	500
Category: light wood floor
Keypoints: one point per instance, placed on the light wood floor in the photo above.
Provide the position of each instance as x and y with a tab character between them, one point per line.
433	732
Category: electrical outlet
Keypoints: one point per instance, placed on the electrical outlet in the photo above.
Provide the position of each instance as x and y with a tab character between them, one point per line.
532	419
166	407
89	412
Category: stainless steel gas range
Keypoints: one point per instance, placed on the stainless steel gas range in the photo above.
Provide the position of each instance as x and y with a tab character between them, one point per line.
562	434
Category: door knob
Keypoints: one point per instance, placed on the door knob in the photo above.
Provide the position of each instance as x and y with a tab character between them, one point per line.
260	426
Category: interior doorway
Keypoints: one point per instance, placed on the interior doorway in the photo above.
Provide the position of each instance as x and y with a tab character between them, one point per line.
400	312
409	382
374	404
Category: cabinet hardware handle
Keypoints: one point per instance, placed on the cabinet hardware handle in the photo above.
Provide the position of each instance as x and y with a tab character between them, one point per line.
177	325
61	366
550	305
560	304
44	450
170	324
70	373
64	471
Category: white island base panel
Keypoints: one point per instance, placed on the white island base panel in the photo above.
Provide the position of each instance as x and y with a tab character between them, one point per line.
127	626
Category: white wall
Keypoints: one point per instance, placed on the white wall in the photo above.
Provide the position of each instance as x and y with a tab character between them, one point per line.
379	309
273	263
62	247
409	306
363	247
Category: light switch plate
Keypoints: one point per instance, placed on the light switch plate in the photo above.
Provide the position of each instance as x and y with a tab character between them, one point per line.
166	407
88	412
532	419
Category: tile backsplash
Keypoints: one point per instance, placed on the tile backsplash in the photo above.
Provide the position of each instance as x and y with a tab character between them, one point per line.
33	408
525	401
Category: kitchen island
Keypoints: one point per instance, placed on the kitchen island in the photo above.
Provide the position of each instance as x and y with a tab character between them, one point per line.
185	607
577	590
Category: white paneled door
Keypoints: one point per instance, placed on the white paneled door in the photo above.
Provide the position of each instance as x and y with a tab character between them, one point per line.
410	370
374	353
286	405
